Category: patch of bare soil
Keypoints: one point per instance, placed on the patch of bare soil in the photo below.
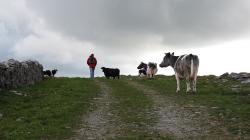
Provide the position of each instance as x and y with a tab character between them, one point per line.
98	124
179	122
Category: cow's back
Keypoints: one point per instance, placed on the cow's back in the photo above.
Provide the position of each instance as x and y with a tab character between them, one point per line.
183	65
116	72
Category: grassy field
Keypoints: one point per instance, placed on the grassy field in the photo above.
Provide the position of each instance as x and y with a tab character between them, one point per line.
47	110
53	108
231	108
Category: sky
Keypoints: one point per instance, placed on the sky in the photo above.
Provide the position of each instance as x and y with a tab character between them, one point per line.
62	34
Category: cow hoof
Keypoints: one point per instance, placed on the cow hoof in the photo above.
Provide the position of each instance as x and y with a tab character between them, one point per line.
177	91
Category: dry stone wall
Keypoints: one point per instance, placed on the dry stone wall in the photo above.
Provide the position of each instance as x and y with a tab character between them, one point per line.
14	73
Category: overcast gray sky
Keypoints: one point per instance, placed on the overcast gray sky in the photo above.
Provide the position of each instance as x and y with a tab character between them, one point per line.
121	33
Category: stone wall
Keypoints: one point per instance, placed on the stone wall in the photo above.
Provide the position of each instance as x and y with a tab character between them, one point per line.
14	73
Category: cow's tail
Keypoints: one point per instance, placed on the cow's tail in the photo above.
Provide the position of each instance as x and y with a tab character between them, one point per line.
194	66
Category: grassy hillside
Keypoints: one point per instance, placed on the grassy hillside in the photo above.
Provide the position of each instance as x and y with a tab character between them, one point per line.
53	108
49	109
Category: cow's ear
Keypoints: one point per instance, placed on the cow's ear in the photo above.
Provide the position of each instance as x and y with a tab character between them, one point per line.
173	53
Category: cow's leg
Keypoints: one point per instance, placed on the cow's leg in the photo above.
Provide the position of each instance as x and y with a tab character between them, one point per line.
178	83
188	81
194	84
148	75
153	73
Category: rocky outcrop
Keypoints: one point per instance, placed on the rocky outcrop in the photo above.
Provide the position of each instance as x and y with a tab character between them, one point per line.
243	77
14	73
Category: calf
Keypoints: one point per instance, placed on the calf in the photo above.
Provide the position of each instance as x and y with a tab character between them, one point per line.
109	72
185	67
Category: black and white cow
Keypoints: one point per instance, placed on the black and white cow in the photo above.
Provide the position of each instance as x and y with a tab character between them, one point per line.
149	69
142	69
185	67
109	72
47	73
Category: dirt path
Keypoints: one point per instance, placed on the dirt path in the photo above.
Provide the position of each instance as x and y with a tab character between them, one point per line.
100	123
174	120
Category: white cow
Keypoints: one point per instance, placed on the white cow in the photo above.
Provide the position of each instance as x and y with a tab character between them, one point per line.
152	69
185	67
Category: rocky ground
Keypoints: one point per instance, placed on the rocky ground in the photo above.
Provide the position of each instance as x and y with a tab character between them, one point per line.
243	77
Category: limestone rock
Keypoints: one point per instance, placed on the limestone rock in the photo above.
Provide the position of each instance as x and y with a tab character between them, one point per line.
246	81
243	77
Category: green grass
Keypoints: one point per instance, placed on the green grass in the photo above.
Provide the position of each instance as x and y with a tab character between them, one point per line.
134	110
231	108
53	108
50	109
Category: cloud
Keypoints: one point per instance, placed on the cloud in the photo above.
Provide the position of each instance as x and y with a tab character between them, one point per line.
115	23
14	25
62	34
24	35
54	51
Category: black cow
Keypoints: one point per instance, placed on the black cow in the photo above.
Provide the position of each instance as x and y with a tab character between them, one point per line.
109	72
54	72
47	73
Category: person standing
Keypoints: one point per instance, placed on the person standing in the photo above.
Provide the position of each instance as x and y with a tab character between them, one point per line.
92	63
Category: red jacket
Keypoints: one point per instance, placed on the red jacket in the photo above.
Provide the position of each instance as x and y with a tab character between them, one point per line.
92	62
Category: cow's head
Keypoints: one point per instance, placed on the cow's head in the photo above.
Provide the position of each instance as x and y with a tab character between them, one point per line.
166	60
103	68
142	65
